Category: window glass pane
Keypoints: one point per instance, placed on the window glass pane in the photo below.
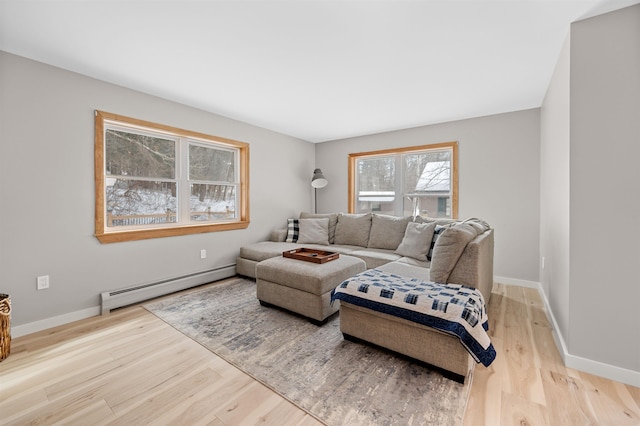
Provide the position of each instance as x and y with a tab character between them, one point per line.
212	202
427	173
131	154
211	164
376	185
137	202
376	174
427	206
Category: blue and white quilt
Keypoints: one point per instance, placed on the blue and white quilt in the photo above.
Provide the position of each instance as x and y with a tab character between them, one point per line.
451	308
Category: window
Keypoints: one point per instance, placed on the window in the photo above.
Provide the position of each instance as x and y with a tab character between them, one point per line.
156	181
421	181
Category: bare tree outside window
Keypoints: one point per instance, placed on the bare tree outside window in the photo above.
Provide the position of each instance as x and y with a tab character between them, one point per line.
136	165
427	183
154	180
212	177
406	181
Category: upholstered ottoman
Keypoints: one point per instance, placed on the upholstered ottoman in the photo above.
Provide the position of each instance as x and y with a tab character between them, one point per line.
304	287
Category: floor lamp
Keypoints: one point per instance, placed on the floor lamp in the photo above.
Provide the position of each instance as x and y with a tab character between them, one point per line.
318	181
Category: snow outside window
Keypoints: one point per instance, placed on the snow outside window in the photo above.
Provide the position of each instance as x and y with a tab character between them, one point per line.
413	181
154	181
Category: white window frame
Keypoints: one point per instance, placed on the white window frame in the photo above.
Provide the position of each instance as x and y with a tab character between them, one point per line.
398	155
184	224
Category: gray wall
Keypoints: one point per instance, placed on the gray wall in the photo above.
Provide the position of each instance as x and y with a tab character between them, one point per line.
47	192
605	149
554	192
498	171
590	145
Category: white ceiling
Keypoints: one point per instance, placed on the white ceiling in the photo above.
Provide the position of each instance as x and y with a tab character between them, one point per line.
316	70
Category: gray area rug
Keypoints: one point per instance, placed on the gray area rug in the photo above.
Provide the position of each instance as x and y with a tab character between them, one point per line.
337	381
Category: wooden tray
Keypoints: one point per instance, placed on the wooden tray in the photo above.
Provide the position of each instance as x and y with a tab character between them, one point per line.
311	255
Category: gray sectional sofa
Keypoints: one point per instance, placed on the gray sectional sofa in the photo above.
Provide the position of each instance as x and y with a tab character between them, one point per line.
384	242
442	250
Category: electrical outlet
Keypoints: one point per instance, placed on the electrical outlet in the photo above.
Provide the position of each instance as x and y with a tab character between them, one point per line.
203	254
43	282
542	262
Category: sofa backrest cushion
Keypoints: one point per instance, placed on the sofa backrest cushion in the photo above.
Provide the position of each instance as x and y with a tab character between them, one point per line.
387	231
333	221
353	229
448	249
314	231
416	241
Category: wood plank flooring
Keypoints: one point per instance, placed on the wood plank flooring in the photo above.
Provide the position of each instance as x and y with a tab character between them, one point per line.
130	368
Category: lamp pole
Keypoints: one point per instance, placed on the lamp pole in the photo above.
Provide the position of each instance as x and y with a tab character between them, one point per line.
317	181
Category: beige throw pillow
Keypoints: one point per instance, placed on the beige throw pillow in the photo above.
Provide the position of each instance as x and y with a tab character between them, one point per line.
313	231
387	231
417	240
448	249
353	229
333	221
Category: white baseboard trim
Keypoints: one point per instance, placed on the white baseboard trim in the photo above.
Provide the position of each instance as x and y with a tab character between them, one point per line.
34	327
181	284
609	371
516	281
590	366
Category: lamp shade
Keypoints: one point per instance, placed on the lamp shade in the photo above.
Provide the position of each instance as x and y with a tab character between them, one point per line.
318	180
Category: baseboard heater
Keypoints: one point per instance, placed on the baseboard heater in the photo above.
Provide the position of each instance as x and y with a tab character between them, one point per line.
138	293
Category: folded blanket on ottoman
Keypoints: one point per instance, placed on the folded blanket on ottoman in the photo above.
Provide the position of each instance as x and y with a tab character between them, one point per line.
451	308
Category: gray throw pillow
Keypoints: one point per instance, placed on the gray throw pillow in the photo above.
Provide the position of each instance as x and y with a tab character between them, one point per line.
333	221
417	240
387	231
353	229
448	249
313	231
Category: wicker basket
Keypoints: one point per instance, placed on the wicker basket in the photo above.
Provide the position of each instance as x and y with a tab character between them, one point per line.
5	326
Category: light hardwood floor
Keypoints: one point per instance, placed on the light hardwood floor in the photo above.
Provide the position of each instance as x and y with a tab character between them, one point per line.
131	368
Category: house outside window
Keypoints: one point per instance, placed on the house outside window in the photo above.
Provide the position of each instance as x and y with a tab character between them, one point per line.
413	181
155	181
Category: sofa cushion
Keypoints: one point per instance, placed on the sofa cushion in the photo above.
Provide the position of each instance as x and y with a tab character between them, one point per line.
353	229
406	270
387	231
314	231
415	262
292	231
448	249
265	250
417	240
333	221
375	257
278	235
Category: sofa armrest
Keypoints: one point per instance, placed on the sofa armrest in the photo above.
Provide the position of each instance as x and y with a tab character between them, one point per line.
475	266
278	236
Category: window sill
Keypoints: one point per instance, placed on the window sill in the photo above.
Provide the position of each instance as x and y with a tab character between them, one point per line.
121	236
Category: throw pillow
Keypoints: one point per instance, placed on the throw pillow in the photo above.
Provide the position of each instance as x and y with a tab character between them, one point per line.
448	249
417	240
353	229
387	231
439	229
333	221
292	231
314	231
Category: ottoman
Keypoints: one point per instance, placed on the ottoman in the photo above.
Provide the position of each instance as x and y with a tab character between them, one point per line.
304	287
